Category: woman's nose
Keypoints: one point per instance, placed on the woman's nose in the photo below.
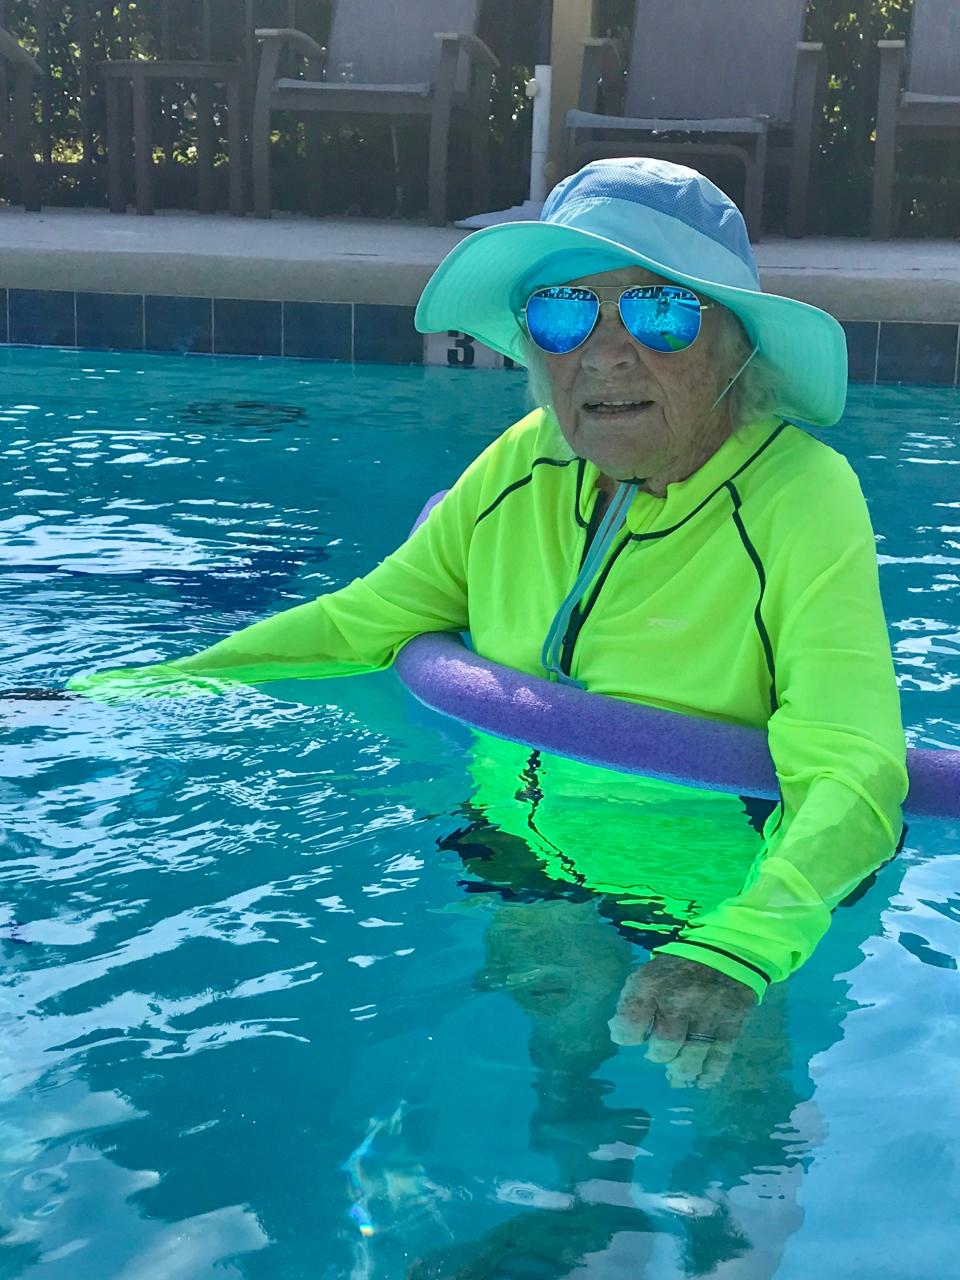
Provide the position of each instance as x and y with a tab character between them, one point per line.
609	346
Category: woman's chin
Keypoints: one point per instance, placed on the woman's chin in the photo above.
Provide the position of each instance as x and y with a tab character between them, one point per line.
621	466
615	458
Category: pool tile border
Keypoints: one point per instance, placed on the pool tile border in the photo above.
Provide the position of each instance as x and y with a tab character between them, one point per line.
917	353
386	334
42	317
863	337
881	351
180	325
318	330
109	321
247	327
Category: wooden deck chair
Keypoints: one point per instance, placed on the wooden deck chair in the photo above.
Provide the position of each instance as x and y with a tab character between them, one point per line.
731	79
923	104
16	127
397	61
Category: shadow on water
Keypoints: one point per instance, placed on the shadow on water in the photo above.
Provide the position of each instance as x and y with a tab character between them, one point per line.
243	414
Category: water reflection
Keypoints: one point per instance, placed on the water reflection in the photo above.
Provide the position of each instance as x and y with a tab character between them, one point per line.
233	953
613	1201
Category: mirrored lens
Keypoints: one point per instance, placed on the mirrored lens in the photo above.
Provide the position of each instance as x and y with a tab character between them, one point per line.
661	317
559	319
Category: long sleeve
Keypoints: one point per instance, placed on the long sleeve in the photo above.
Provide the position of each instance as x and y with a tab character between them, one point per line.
836	740
360	628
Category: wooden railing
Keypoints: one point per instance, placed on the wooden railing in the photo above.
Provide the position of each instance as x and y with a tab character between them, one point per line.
69	39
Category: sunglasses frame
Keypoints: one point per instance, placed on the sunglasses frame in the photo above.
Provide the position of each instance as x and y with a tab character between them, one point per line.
610	293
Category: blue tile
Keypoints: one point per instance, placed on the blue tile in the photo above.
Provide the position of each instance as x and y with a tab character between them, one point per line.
386	334
178	324
110	321
4	336
862	338
245	328
42	317
317	330
917	353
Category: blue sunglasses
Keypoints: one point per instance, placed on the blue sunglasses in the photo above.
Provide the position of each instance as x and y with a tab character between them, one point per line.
661	317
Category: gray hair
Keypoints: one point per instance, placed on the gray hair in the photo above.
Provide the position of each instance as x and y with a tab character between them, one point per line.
753	396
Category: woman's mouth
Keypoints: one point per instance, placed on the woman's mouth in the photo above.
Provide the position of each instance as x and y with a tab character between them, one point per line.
615	408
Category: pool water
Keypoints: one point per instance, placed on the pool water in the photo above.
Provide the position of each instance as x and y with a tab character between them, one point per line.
252	1024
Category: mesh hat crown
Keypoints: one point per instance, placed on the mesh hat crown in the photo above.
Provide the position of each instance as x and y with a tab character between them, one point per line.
649	213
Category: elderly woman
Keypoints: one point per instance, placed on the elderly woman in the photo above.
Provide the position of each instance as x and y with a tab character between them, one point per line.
657	529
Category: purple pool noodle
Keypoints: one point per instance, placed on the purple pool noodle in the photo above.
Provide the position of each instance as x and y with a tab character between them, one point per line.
441	672
428	507
444	674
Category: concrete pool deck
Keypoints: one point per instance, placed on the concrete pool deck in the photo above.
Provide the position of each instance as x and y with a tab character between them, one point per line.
387	262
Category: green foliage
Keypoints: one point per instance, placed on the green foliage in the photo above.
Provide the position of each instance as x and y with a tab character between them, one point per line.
355	169
926	183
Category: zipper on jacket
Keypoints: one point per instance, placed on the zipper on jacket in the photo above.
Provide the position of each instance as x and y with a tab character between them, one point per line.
596	515
576	617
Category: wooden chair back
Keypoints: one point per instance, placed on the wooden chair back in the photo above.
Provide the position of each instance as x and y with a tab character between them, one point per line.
704	60
391	41
933	50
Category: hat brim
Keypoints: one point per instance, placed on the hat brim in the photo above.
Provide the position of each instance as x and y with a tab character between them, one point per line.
480	286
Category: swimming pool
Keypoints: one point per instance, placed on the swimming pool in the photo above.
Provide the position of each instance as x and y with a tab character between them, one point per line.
254	1026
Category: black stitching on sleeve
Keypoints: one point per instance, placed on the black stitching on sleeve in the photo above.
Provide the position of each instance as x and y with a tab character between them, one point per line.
757	612
518	484
708	946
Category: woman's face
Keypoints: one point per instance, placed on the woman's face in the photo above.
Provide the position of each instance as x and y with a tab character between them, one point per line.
666	427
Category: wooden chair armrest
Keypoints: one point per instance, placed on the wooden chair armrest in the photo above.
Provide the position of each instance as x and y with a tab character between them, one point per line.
290	35
892	57
811	77
13	51
472	46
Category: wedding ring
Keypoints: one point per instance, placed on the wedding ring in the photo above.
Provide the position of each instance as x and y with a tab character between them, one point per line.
698	1035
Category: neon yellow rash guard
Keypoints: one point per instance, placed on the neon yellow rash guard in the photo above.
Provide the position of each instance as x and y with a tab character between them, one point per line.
748	594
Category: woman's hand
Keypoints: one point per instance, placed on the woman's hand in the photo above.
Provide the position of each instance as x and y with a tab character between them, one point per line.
688	1015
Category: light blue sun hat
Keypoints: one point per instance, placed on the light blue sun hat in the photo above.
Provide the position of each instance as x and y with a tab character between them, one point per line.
648	213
